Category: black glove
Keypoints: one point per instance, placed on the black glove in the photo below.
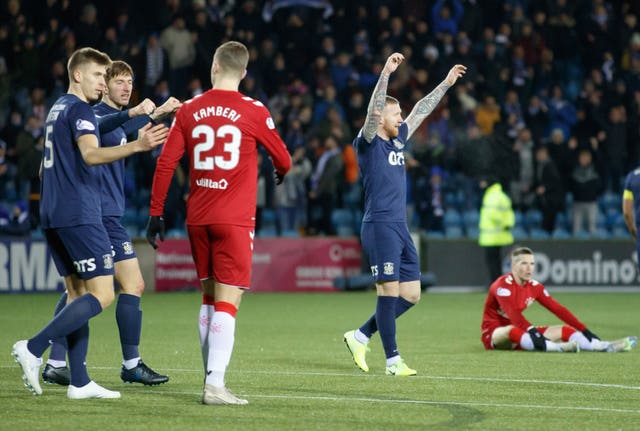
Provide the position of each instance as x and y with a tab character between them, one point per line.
539	342
155	226
278	177
590	335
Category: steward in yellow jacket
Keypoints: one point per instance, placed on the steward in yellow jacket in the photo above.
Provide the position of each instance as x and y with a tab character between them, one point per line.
496	221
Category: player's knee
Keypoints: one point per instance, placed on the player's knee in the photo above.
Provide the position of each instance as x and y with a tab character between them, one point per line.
413	297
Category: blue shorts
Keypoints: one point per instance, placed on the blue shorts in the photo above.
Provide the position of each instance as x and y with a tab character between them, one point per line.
392	254
120	240
83	250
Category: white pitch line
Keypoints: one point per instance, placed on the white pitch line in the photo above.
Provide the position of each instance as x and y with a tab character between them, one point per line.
390	401
427	377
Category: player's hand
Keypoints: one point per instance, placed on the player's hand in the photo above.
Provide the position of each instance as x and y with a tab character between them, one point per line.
590	335
150	137
169	107
393	62
155	227
278	177
456	72
146	107
539	342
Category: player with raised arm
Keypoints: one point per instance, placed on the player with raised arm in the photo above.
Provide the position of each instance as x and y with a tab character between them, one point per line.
127	268
504	327
70	211
385	235
219	131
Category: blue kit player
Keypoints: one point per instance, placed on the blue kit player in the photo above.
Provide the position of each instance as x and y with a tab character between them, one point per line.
70	212
127	269
631	204
385	235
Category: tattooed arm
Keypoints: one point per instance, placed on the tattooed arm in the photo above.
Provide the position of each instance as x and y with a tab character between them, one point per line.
427	104
377	102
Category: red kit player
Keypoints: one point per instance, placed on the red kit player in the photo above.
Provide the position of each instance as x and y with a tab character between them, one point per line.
505	328
219	130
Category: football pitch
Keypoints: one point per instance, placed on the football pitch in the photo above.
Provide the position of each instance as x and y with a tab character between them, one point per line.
291	364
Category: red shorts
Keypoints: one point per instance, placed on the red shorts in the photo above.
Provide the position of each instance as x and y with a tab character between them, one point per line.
222	253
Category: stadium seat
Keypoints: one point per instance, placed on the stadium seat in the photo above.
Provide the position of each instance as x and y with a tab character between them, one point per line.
434	234
519	218
290	233
519	233
601	233
582	234
470	219
610	200
473	233
342	218
453	232
560	233
345	231
132	229
620	233
452	218
267	232
268	217
533	219
562	221
130	217
176	233
601	220
537	233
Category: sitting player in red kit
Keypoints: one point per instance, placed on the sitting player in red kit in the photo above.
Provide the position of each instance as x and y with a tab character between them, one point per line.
505	328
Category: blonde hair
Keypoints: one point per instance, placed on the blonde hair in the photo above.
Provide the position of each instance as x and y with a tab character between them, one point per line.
516	253
232	57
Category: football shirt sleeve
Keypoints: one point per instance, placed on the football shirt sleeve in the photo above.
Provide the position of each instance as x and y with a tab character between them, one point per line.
563	313
82	120
268	136
171	154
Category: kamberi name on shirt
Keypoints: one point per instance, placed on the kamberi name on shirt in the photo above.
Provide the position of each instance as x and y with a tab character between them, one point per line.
217	111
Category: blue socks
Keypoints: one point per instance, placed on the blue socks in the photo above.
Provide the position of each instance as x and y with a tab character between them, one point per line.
129	318
71	318
78	342
370	327
59	345
386	321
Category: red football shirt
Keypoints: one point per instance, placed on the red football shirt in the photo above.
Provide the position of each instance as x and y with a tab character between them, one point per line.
507	300
219	130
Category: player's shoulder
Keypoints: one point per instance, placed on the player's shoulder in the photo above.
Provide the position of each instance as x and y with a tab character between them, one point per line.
503	285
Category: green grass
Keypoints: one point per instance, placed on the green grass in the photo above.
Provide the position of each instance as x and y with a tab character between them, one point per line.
290	363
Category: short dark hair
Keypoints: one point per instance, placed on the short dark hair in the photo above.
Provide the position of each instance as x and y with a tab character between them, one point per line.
520	251
86	55
118	68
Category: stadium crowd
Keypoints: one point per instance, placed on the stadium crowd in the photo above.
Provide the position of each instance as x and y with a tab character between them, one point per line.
550	105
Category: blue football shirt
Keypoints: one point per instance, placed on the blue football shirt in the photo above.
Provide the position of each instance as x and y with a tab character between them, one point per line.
383	176
632	191
70	189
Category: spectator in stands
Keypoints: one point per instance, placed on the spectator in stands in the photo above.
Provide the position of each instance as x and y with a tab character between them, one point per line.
521	188
17	223
178	42
29	148
487	115
325	180
290	199
586	186
7	171
549	188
